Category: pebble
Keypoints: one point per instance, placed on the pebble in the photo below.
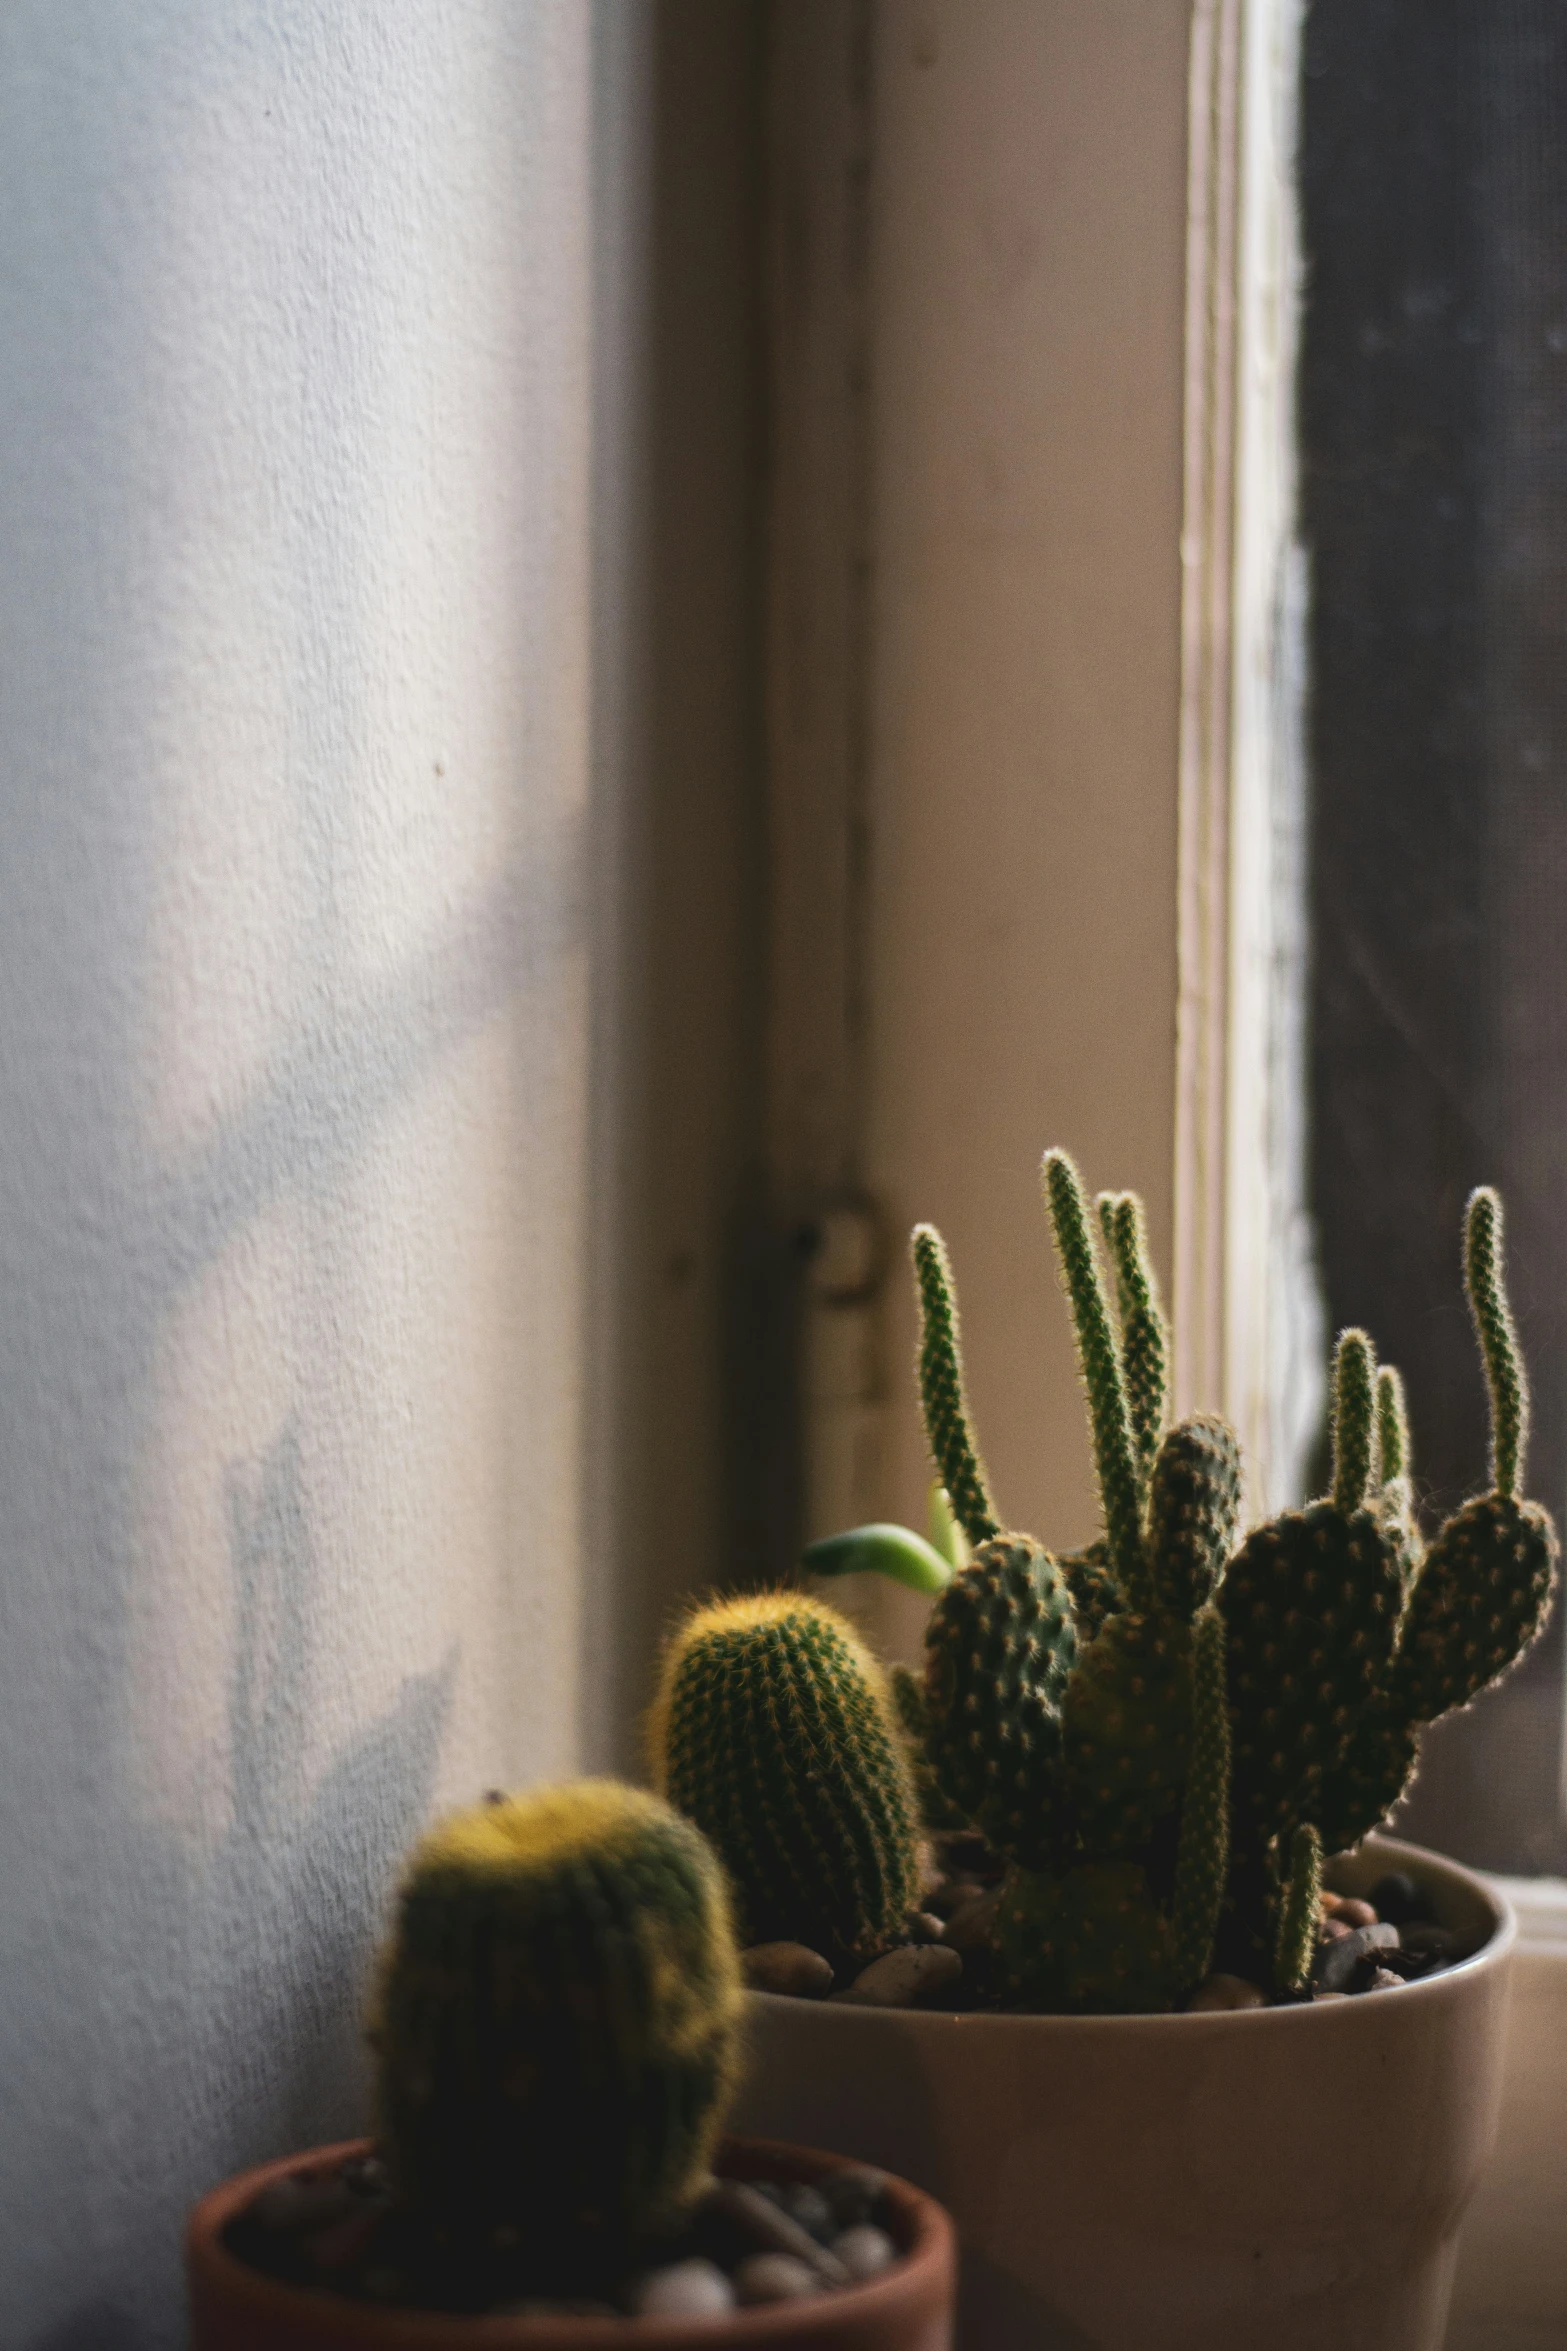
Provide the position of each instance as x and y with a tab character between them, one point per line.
366	2175
772	2230
901	1979
811	2209
1328	1902
922	1926
1334	1928
1429	1941
1407	1965
1355	1913
1384	1980
1227	1991
1337	1962
854	2194
774	2277
1397	1898
686	2289
787	1967
973	1928
750	2242
865	2251
1330	1996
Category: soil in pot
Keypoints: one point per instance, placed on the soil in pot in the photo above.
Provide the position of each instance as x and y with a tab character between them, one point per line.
787	2246
1375	1941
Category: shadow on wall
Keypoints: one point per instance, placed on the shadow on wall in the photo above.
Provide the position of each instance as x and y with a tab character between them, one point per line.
281	1921
171	2012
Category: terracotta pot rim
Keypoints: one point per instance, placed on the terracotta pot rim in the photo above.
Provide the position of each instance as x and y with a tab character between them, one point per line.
1327	2015
925	2268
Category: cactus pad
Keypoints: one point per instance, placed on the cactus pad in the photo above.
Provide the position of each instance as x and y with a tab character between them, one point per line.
1194	1502
1479	1600
998	1649
1311	1604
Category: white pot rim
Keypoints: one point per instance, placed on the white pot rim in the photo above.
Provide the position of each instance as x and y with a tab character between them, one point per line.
1455	1889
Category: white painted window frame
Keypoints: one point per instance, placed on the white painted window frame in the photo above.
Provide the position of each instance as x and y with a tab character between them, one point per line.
1248	1319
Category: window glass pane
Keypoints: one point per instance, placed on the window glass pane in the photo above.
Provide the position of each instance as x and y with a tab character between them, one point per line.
1434	424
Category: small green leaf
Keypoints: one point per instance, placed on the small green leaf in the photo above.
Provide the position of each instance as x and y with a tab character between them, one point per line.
881	1549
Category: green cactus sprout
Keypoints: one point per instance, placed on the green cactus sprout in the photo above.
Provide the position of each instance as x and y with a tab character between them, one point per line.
557	2030
773	1731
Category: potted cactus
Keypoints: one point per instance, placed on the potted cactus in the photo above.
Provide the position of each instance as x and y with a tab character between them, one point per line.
1135	2075
557	2029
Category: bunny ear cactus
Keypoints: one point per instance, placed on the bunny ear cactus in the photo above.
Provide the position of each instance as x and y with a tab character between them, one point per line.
557	2028
1485	1586
1146	1730
1343	1641
1312	1602
772	1730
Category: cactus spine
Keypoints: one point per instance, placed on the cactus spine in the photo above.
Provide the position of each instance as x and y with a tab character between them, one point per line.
773	1731
557	2028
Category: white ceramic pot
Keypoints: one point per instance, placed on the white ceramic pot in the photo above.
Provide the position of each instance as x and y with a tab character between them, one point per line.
1273	2180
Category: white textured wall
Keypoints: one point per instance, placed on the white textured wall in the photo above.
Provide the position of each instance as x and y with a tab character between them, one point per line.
296	1092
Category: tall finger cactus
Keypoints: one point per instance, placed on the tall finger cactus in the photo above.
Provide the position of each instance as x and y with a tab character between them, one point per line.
773	1731
557	2028
1059	1692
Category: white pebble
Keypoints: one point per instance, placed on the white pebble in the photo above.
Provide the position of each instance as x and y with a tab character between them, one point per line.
775	2277
686	2289
865	2252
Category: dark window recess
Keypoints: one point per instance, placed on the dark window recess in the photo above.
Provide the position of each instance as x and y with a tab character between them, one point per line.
1434	429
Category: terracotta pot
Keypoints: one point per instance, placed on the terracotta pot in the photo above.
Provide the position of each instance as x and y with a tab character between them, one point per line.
234	2308
1272	2180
